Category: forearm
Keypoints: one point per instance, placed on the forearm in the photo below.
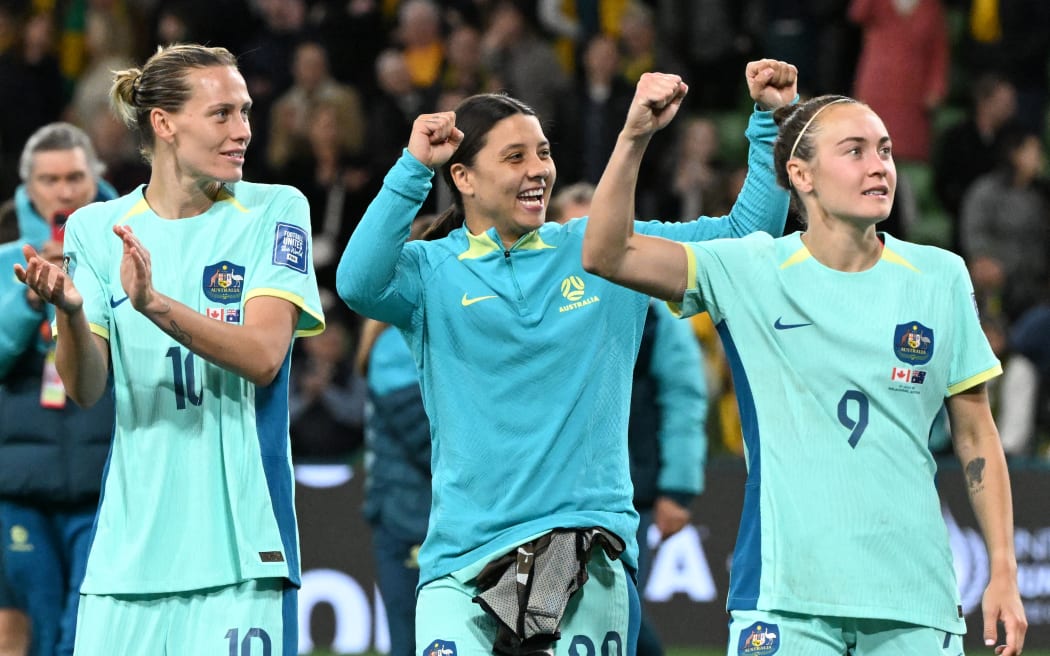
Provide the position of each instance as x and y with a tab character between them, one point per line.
988	485
368	265
255	350
611	223
80	357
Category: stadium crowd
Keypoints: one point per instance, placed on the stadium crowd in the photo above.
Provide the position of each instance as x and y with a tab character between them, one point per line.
336	85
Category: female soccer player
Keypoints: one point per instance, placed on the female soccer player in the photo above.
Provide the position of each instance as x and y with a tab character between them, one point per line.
193	287
845	343
525	364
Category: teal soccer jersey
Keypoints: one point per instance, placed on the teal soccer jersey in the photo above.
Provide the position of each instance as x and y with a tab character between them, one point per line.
525	361
198	487
840	377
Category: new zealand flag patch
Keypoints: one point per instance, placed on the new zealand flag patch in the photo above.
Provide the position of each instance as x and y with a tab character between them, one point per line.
913	343
290	247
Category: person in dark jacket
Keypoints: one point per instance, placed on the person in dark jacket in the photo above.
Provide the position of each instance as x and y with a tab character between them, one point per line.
665	431
397	457
52	453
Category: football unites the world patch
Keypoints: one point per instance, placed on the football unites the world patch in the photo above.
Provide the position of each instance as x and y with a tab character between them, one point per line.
759	639
913	343
290	247
223	282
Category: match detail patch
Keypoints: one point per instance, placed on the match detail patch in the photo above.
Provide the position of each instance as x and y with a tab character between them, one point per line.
290	247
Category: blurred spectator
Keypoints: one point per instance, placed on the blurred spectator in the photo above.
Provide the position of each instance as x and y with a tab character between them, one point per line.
642	49
590	115
463	72
326	397
571	202
267	66
523	62
903	68
706	36
698	180
966	150
353	33
108	46
336	181
230	23
293	110
1025	394
391	114
125	167
815	35
419	33
1006	225
1012	37
52	452
71	18
29	72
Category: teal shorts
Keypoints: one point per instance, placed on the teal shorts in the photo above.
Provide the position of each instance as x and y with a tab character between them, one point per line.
253	618
601	618
761	633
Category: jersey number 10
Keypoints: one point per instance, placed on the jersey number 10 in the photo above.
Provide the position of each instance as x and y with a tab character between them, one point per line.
184	378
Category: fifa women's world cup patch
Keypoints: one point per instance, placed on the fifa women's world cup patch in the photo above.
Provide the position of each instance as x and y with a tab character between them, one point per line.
290	247
759	639
913	343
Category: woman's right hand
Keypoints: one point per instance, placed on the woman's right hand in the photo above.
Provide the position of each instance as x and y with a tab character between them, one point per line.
434	138
48	281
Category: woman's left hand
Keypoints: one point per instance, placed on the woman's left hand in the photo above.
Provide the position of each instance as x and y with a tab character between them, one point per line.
772	83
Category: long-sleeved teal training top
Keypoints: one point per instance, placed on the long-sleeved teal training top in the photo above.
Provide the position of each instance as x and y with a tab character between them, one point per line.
525	360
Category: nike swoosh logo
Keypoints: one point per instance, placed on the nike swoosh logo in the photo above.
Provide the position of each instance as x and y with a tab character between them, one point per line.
471	301
113	303
788	326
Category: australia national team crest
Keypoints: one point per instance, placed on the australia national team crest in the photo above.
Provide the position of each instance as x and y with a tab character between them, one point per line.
223	282
290	247
913	343
440	648
759	639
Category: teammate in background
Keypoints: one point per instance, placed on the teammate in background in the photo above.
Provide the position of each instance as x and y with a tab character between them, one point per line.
665	433
52	453
195	546
845	343
397	457
492	306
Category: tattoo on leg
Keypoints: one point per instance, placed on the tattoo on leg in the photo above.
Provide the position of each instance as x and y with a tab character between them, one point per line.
975	475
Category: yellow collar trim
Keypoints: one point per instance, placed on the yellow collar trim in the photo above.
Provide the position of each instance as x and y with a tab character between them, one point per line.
141	206
485	243
803	254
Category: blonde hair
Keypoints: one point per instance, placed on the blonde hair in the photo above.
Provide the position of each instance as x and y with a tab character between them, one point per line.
160	83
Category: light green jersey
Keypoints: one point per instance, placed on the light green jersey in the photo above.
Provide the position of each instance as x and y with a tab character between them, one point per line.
198	489
840	377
